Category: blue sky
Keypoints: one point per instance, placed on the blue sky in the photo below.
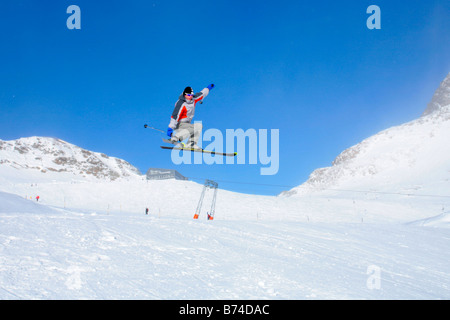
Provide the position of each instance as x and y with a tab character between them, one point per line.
313	70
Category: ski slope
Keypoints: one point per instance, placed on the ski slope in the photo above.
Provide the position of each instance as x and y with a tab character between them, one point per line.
54	253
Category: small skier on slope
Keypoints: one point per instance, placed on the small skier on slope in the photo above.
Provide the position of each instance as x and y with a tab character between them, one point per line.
180	126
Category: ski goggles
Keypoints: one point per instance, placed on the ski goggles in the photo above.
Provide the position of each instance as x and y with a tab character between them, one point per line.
189	94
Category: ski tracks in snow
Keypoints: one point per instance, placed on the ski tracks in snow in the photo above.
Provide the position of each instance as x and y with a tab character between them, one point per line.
76	255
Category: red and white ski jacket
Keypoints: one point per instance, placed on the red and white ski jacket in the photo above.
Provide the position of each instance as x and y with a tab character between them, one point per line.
184	109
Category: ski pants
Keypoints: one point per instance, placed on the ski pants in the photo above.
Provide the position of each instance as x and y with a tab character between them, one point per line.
189	130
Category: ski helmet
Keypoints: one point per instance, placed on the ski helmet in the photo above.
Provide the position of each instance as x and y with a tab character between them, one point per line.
188	90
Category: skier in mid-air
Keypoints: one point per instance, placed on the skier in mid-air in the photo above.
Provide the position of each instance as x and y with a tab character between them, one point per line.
180	126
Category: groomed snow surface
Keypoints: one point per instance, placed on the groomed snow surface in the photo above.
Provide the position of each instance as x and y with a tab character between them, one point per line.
329	246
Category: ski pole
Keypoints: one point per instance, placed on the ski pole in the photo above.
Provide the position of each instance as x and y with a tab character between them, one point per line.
146	126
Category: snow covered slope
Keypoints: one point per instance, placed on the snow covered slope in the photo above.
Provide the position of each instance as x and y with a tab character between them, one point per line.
51	253
11	203
412	158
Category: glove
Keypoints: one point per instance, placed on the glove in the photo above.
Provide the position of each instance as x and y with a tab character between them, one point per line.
211	86
169	132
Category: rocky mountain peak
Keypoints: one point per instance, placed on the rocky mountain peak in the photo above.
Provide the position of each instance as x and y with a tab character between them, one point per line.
441	97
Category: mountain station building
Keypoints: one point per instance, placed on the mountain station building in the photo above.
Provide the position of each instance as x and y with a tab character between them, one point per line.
163	174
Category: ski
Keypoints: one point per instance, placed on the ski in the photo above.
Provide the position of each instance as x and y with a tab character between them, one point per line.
200	150
176	143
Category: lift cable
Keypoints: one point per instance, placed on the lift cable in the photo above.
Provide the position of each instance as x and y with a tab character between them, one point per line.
326	189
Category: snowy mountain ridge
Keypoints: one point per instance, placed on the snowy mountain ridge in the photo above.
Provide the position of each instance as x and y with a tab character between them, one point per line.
414	156
58	156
